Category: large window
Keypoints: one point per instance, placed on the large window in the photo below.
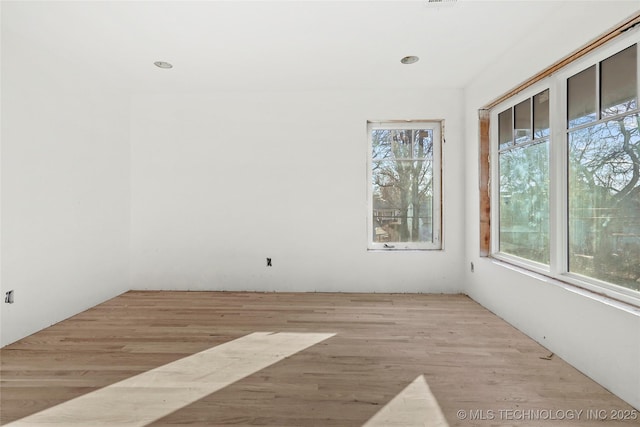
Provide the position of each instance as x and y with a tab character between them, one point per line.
566	173
604	170
523	137
404	185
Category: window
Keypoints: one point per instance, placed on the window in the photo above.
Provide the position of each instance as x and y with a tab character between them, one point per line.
604	172
404	185
523	156
567	161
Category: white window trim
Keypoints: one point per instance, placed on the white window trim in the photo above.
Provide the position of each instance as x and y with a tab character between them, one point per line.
437	126
558	163
495	177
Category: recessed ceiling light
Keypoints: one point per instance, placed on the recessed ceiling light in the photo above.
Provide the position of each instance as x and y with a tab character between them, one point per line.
410	59
162	64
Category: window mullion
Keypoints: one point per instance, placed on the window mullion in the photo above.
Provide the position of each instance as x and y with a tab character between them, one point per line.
598	103
558	194
494	185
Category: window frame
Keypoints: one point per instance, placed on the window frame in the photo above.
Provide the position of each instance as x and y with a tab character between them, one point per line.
437	127
556	82
494	173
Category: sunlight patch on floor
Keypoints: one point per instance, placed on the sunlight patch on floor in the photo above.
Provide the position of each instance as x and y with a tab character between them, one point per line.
415	406
144	398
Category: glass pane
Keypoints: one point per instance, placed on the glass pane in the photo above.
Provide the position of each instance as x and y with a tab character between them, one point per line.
381	144
524	202
581	93
523	121
541	115
402	201
401	140
619	83
423	143
505	128
401	143
604	201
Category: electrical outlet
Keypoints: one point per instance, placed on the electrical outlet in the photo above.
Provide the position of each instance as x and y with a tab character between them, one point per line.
8	297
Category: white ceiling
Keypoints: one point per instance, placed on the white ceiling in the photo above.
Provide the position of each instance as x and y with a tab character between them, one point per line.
277	45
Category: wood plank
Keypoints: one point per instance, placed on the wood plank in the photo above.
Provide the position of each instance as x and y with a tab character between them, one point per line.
484	166
144	398
471	359
416	402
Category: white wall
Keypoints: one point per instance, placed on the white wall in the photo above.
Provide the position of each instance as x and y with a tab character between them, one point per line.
602	340
65	189
222	181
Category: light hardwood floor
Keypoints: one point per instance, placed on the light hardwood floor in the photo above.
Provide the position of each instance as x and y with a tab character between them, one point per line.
475	364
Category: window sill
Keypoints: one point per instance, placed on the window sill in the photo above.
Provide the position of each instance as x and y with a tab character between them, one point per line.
624	302
405	249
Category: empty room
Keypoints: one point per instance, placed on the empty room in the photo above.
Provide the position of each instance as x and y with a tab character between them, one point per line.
320	213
